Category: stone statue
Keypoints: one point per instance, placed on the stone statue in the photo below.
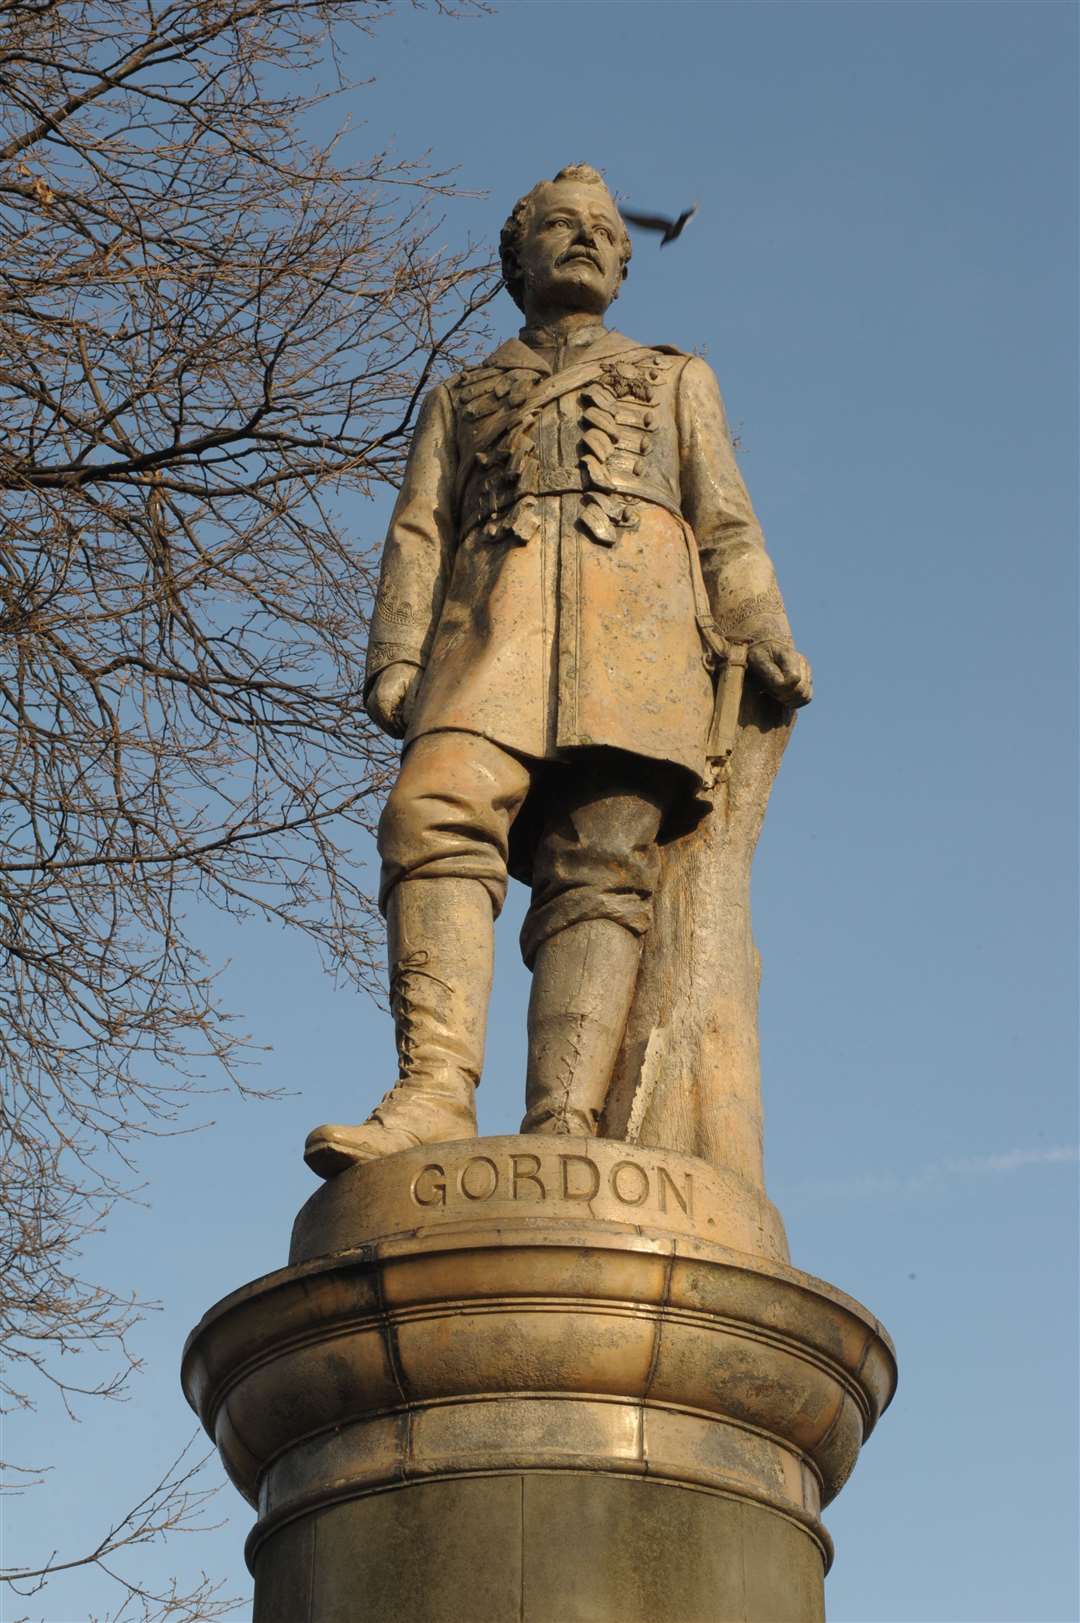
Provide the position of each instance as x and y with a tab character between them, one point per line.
573	586
571	1375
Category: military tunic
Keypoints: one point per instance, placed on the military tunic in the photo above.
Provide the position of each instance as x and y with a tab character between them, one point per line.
561	547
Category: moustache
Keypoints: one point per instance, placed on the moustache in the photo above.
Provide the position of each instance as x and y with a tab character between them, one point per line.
573	254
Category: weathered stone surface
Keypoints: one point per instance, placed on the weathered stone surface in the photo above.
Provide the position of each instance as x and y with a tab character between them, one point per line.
561	1413
688	1073
524	1549
565	1376
575	599
558	1179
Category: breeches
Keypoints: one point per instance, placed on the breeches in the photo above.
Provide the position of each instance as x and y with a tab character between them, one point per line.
598	815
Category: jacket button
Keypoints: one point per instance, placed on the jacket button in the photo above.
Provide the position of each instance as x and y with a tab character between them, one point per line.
639	467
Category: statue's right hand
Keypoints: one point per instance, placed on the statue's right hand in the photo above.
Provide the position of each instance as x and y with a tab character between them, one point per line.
392	697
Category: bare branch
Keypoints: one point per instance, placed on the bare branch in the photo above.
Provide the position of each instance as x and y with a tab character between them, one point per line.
216	333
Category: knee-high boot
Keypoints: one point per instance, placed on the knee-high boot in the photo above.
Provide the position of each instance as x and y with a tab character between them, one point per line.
583	984
440	935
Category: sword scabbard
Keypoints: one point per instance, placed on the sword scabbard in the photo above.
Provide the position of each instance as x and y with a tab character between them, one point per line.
724	730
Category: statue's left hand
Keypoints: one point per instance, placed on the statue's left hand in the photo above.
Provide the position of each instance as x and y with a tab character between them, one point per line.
782	671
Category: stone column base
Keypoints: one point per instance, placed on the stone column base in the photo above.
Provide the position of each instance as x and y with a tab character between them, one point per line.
483	1391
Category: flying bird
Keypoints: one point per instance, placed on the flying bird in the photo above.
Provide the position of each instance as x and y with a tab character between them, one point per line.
660	222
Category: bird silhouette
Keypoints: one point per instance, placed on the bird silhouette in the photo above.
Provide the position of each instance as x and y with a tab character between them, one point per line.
661	222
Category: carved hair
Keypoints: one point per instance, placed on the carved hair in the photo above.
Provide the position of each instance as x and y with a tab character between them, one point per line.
514	229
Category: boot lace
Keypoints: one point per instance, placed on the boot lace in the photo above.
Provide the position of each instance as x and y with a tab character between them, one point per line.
403	1005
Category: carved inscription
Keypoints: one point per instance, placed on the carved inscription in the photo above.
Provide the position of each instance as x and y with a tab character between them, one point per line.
629	1183
580	1177
479	1178
530	1179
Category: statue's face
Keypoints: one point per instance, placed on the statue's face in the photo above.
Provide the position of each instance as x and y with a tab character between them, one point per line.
569	254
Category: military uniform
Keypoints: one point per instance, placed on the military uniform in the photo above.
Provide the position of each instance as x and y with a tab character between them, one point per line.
571	530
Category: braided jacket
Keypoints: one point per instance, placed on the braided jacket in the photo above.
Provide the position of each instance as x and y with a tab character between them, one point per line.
560	546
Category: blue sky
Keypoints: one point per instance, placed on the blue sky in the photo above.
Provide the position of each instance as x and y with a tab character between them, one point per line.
883	274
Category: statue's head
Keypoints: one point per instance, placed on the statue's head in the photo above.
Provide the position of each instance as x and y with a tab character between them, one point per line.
564	246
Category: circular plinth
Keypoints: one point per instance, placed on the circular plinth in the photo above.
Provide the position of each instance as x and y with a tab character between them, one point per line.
592	1417
499	1180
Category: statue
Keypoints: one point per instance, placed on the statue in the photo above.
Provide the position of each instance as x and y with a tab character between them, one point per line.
570	1375
573	588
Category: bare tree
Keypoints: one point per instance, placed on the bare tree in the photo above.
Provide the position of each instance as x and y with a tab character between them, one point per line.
213	327
175	1504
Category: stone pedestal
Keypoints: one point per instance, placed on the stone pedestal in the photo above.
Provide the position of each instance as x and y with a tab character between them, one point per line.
538	1380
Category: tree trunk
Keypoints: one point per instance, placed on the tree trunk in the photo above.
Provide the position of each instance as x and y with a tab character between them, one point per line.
688	1075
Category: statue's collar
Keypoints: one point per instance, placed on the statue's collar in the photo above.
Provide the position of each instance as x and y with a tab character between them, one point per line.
515	352
577	338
